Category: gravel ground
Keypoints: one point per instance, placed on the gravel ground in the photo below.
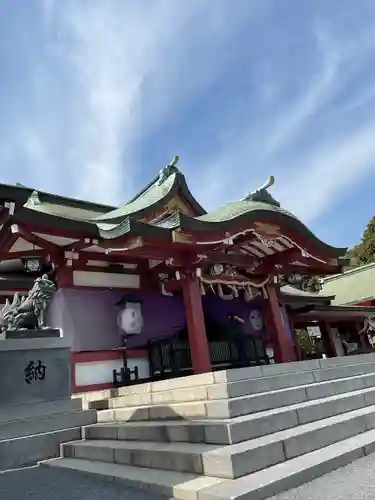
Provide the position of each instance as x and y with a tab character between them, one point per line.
355	481
55	484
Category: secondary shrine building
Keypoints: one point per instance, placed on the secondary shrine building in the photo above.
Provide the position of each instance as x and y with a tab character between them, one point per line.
185	290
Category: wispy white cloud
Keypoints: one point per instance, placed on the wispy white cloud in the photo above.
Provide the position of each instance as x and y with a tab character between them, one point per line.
108	74
315	143
320	87
328	170
104	78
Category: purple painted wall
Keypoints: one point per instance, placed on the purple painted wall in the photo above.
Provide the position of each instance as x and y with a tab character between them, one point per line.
220	310
89	318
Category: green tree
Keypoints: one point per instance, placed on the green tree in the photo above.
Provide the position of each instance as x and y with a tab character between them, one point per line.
305	342
364	252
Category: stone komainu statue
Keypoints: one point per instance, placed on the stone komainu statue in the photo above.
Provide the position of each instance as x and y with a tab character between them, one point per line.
29	312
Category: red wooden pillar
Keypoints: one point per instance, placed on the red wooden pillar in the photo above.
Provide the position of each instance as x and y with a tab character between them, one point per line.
328	343
295	339
199	350
283	345
64	277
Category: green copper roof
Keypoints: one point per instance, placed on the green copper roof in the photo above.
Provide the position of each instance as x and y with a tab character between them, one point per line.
132	227
162	189
21	195
238	208
99	221
81	213
351	286
146	201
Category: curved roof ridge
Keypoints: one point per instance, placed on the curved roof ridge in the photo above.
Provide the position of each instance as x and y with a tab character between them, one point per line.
253	211
162	175
159	191
146	201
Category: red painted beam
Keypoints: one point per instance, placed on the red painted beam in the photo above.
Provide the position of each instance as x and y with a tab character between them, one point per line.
53	231
182	258
79	265
35	240
173	286
28	254
7	238
78	245
84	256
4	215
280	258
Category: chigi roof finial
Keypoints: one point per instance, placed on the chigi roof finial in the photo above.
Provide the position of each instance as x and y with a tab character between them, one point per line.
261	195
168	170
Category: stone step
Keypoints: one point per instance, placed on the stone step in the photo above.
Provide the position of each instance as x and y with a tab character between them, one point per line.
228	431
255	425
21	412
276	372
29	450
268	384
268	482
179	431
256	486
179	485
308	391
49	423
315	379
95	395
180	457
226	461
246	405
251	456
173	411
238	429
287	368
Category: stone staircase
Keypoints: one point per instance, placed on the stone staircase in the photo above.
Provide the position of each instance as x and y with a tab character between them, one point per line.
237	434
30	433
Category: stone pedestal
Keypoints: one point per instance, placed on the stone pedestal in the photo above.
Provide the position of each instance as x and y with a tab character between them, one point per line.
37	413
34	370
33	334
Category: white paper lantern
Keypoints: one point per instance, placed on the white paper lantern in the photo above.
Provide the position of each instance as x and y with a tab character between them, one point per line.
130	318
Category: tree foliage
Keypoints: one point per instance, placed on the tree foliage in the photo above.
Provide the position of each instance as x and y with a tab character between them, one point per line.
305	342
364	252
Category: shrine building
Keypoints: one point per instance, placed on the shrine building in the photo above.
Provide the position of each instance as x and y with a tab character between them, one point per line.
184	290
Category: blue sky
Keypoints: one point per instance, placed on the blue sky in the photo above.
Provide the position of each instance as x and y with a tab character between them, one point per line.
97	96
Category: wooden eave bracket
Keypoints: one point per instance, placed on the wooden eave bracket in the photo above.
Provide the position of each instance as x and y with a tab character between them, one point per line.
35	240
76	246
10	206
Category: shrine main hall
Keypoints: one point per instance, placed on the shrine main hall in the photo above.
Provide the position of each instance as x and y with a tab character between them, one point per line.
161	286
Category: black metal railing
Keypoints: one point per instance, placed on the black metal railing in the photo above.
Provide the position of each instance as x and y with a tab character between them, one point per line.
171	356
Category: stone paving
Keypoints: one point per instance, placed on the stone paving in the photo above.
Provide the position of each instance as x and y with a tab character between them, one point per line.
49	484
356	481
353	482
